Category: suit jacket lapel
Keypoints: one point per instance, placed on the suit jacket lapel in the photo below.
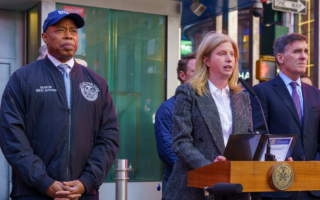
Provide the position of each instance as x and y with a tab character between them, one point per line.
209	111
237	113
307	94
282	90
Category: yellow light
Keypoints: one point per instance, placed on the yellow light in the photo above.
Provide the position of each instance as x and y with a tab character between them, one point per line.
245	38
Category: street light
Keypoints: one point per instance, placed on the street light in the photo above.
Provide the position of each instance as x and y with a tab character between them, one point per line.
197	7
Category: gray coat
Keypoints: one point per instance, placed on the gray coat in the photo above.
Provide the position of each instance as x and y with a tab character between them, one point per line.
198	139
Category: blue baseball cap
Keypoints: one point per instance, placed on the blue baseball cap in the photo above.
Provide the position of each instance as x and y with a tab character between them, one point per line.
57	15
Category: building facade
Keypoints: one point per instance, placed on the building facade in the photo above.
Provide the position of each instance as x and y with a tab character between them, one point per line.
236	19
134	45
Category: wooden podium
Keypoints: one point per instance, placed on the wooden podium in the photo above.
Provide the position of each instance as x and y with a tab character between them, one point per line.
253	175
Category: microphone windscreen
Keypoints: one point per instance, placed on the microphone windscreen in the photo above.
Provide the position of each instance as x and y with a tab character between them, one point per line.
225	188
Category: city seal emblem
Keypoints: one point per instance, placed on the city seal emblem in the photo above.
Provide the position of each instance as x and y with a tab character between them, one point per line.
89	90
281	176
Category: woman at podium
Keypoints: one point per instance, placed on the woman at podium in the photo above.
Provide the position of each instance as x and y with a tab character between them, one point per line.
207	110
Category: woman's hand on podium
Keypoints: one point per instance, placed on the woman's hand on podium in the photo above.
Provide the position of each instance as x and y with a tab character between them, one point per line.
289	159
220	158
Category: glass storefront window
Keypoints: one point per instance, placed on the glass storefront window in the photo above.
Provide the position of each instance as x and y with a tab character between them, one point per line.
128	50
33	40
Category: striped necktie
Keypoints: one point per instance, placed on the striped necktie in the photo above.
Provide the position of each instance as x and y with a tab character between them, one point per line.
296	99
66	78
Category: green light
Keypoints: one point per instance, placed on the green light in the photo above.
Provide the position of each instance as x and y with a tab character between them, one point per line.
186	47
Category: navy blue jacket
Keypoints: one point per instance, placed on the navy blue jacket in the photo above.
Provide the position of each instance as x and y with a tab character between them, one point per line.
43	140
163	130
282	118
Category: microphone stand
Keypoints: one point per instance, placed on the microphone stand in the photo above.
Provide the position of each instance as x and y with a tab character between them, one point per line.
268	155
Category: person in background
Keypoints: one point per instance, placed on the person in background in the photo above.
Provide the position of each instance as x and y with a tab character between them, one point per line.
290	106
42	52
306	79
59	128
206	111
163	120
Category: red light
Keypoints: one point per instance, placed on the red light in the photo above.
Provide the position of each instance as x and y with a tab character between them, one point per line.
264	69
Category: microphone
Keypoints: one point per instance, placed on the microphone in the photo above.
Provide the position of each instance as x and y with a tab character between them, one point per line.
249	89
222	189
268	155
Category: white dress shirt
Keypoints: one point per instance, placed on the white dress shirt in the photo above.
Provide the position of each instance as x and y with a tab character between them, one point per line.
287	82
222	100
56	62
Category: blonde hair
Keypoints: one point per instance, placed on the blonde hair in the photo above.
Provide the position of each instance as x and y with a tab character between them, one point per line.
200	77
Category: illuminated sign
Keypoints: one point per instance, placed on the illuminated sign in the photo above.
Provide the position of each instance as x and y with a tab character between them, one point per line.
186	47
244	75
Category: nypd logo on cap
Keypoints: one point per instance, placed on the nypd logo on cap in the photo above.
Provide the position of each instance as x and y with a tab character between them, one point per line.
57	15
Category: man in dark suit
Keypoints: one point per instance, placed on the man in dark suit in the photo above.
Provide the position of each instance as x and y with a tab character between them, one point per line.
290	106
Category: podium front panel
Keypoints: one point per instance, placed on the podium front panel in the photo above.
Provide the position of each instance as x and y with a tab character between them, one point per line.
253	175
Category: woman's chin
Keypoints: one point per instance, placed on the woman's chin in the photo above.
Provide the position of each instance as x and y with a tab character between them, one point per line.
227	75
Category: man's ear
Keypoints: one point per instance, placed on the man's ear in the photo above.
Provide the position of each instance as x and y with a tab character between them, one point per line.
44	38
280	58
182	76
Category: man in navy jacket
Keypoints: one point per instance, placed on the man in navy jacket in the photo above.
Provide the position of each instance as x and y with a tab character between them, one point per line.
290	106
59	129
163	120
